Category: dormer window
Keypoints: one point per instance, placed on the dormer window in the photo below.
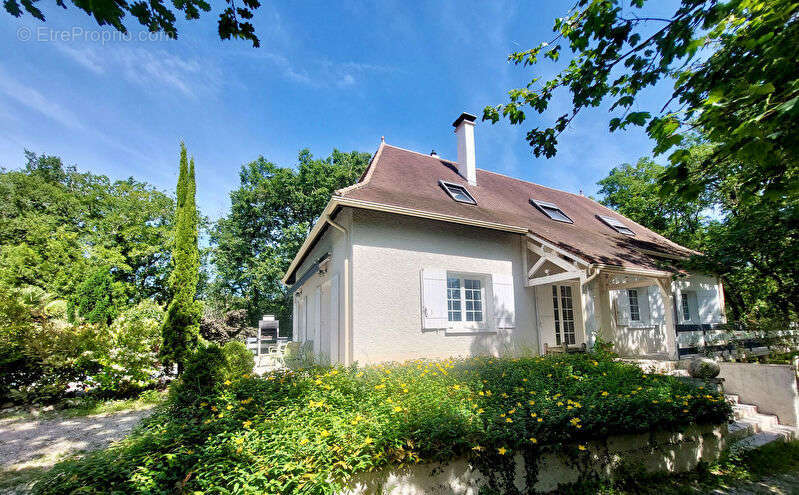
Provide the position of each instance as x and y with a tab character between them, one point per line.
616	225
551	210
457	192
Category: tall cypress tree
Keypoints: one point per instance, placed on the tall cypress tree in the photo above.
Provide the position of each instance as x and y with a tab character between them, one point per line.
182	323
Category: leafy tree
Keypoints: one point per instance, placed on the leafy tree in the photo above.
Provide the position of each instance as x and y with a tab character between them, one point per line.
181	325
634	191
271	213
156	15
750	242
734	83
224	327
57	225
94	300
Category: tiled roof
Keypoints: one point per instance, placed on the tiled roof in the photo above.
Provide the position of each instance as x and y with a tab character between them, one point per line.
409	180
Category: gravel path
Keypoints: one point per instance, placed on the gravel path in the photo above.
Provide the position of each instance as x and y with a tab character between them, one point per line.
35	445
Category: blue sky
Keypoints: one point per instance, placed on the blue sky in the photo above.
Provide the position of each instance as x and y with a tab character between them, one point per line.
327	76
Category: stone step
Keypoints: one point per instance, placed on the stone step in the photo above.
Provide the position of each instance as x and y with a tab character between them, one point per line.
732	399
788	432
766	420
741	411
759	440
741	429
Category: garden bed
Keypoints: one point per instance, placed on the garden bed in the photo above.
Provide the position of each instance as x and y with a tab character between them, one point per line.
313	431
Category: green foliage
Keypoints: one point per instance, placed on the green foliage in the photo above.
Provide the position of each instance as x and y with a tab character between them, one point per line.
94	301
42	354
57	225
180	330
733	86
311	431
206	369
634	191
271	213
156	15
751	242
222	328
731	83
239	360
129	364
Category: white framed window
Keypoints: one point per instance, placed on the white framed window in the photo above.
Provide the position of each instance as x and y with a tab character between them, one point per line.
551	210
616	225
457	192
563	307
686	307
467	302
465	298
635	309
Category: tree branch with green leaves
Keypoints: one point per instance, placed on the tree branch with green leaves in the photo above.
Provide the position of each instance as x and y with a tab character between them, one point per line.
155	15
735	83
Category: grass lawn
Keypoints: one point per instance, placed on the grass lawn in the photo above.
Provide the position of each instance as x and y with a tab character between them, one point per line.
310	431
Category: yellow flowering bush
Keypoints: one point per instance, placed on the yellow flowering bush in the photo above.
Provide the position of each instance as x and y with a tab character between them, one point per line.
310	431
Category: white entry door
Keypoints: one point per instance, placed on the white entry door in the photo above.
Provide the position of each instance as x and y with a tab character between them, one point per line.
559	314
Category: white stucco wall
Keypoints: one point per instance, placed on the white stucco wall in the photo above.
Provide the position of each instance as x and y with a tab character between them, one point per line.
334	242
709	306
649	337
389	252
590	311
644	338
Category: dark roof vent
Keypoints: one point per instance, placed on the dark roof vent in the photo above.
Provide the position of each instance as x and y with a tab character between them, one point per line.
433	153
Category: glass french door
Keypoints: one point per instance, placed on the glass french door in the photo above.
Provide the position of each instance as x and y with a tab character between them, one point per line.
563	306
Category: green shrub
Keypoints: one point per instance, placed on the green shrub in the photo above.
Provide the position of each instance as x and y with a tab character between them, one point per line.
205	370
129	362
42	354
94	300
239	359
310	431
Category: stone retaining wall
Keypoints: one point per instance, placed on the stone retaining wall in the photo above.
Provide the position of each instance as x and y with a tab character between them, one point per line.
654	452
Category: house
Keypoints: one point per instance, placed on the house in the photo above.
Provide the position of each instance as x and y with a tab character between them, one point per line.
430	258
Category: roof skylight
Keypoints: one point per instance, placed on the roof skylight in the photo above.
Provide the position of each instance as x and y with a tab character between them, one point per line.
551	210
457	192
616	225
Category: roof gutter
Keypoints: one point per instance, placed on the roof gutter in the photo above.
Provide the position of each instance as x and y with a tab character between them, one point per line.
317	228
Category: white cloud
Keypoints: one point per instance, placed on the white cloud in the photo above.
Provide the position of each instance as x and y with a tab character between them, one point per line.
147	68
324	73
84	56
33	99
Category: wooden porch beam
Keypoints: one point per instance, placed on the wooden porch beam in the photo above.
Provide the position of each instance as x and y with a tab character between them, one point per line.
558	277
632	285
551	256
538	264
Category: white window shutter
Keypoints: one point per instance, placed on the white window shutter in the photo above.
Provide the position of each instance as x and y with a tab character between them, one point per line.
434	298
657	315
622	308
643	306
504	305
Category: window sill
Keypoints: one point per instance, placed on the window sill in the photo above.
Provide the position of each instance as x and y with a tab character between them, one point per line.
468	330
